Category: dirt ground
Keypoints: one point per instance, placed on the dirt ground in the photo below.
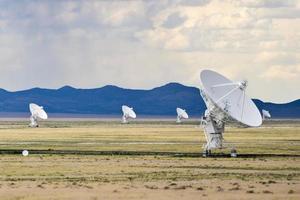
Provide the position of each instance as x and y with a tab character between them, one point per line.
148	177
162	190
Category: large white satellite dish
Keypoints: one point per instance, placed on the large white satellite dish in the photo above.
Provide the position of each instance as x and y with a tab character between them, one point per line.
127	113
37	112
265	114
181	114
226	101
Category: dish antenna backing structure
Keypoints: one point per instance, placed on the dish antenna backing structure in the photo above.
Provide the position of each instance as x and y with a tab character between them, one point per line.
127	113
226	101
181	114
265	114
37	112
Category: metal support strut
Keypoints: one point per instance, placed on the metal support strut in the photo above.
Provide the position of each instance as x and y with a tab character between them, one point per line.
213	131
124	119
33	122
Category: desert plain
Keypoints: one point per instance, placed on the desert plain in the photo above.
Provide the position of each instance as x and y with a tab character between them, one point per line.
149	159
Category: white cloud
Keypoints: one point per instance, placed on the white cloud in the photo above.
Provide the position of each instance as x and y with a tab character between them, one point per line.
267	3
278	57
112	13
217	25
286	73
164	38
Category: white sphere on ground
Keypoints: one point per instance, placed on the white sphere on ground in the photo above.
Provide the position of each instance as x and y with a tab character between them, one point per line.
25	153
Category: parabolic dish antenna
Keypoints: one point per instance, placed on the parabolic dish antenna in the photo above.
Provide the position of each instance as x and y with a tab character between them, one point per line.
181	114
127	113
265	114
37	112
226	101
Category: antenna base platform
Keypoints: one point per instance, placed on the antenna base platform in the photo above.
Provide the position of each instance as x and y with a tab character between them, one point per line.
178	120
124	119
33	122
213	131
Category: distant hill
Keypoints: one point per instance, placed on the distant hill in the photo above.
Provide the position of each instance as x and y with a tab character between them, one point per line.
286	110
109	99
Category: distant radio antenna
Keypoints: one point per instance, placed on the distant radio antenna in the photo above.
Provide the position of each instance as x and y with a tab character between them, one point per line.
181	114
37	112
265	114
127	113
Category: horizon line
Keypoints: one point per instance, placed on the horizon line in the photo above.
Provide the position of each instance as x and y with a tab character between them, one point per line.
139	89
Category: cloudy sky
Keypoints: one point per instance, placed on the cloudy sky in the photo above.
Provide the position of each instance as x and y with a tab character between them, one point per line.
144	44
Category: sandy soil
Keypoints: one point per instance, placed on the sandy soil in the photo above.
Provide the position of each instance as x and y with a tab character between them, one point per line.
202	189
148	177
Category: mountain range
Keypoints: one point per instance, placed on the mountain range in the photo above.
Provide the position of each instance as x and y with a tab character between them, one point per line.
108	100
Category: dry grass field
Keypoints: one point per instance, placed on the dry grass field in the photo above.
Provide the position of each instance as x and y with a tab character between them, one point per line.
146	160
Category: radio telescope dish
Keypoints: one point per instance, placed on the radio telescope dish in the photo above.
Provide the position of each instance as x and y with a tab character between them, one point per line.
127	113
37	112
265	114
226	101
181	114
